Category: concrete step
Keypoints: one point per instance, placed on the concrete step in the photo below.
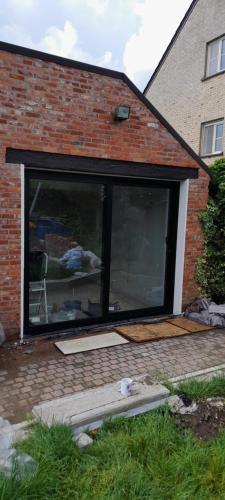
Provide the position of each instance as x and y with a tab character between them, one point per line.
87	409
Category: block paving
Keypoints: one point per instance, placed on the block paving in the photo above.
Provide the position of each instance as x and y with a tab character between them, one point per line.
27	378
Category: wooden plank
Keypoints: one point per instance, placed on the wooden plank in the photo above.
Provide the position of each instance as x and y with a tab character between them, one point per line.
187	324
156	331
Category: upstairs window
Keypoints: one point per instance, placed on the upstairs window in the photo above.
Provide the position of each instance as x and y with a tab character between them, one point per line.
215	57
212	138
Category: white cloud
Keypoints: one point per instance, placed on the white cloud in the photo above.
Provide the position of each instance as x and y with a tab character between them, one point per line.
62	42
65	42
98	6
14	33
158	22
106	59
22	4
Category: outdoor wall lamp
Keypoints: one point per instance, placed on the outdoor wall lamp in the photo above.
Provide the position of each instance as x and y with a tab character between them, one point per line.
122	113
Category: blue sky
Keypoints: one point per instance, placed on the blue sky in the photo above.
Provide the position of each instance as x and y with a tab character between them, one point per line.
126	35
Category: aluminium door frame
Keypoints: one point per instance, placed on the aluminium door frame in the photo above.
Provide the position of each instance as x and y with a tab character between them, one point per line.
107	182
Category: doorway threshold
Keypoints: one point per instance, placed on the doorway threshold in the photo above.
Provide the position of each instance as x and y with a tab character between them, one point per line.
99	328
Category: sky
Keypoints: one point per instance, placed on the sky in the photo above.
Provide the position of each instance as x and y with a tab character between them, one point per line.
125	35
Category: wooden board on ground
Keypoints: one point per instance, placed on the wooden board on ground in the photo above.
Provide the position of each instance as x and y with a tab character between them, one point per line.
154	331
90	343
188	324
157	331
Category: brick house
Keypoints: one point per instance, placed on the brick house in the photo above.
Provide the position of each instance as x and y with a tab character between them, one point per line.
99	198
187	86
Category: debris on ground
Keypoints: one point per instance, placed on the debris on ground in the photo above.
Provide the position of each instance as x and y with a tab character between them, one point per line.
82	440
17	464
218	402
177	405
13	462
207	312
204	417
29	351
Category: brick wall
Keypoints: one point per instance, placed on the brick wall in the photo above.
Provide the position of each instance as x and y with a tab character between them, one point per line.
178	90
53	108
198	195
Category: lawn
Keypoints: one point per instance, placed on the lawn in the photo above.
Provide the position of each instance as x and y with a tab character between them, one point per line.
146	457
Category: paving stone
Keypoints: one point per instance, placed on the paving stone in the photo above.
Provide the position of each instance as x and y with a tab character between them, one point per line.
168	357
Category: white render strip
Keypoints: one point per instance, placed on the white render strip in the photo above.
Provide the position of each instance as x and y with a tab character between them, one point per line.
198	373
180	251
22	212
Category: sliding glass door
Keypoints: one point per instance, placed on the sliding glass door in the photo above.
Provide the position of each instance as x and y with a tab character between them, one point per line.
138	248
97	249
65	250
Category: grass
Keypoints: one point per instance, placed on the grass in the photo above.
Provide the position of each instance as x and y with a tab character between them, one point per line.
195	389
146	457
141	458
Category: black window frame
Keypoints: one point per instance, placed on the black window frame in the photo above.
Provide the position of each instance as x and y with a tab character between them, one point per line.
108	182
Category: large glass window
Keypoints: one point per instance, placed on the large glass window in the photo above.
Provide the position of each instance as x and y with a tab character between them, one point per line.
212	138
96	248
215	57
138	254
65	250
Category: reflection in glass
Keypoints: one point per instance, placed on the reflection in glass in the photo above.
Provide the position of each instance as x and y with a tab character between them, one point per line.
138	253
65	251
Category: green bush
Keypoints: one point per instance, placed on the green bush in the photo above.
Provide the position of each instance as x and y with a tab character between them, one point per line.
210	269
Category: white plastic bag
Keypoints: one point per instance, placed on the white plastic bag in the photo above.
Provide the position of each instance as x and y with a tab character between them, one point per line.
126	386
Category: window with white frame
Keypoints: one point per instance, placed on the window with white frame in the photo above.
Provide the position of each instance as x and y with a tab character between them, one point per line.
212	138
215	57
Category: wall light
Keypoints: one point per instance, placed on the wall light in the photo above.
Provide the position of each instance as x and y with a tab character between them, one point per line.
122	113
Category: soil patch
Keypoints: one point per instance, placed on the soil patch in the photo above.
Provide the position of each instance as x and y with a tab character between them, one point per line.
206	421
13	354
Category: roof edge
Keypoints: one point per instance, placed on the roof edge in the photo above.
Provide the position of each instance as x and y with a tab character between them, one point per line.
17	49
62	61
169	47
166	124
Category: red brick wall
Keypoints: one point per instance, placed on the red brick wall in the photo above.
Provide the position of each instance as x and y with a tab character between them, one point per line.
53	108
197	201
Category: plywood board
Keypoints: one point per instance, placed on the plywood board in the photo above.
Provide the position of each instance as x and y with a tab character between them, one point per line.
188	324
90	343
154	331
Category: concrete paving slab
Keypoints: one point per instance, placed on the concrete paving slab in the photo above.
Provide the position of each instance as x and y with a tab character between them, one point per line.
85	407
91	343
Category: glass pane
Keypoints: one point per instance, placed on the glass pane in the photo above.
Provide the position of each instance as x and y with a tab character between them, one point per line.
219	130
218	145
222	62
65	250
213	56
222	65
138	254
219	137
208	139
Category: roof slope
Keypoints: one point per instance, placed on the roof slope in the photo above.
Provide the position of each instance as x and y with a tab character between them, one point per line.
172	42
16	49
